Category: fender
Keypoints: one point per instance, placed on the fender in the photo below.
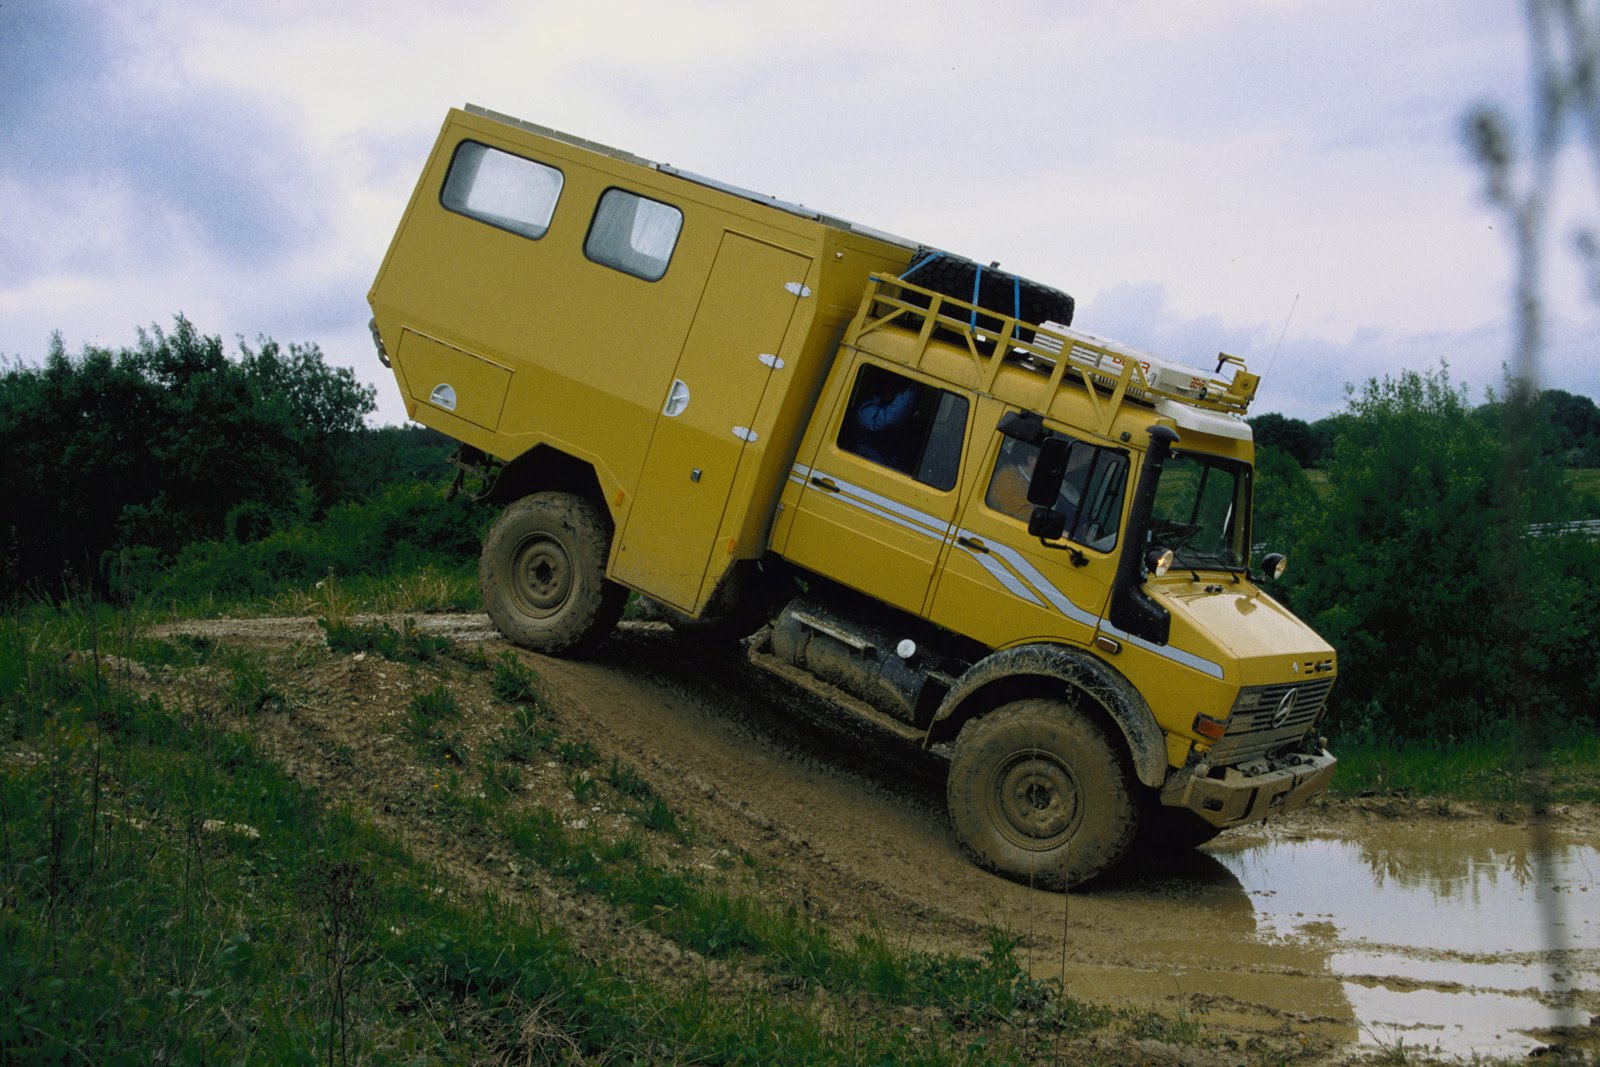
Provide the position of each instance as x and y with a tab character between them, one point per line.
1040	669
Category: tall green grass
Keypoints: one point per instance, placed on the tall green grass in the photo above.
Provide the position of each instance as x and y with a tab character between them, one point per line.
405	549
168	893
1502	767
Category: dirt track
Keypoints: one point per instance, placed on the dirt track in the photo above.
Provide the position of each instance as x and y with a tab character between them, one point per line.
855	819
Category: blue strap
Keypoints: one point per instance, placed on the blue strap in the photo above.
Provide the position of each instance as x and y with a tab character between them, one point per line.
977	280
1016	300
920	264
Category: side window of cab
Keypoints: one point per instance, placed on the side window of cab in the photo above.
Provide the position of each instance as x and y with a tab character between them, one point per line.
905	425
1091	491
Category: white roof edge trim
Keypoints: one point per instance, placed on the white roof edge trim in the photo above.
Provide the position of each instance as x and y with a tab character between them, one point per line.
1202	421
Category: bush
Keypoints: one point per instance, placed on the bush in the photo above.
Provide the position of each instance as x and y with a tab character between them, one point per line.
1450	619
164	443
403	529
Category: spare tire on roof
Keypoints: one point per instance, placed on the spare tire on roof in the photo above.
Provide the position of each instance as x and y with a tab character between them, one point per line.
998	291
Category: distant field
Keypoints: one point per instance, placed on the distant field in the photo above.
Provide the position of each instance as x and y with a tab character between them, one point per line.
1586	483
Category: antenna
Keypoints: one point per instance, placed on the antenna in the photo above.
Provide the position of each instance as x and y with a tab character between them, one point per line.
1281	336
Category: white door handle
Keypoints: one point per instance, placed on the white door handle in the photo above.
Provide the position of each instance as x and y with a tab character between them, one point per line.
677	399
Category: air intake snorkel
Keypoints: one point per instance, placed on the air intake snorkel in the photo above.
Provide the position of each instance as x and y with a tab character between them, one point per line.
1133	610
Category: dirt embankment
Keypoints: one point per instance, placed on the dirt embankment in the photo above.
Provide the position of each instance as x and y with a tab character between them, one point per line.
853	822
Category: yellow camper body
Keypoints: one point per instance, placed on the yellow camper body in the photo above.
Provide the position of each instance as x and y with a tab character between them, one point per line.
978	526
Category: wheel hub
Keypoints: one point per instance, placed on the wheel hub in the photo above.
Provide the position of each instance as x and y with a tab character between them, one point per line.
544	575
1037	800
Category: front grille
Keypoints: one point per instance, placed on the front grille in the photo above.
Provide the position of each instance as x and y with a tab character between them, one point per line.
1251	730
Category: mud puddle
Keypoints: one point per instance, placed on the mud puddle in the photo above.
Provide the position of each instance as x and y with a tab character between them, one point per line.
1464	940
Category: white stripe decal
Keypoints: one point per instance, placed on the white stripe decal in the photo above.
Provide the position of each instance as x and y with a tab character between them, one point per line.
1005	577
1002	562
1172	652
1059	600
882	506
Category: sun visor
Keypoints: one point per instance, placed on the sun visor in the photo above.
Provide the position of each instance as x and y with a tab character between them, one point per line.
1201	421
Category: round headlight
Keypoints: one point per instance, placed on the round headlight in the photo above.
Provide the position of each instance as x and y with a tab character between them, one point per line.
1273	564
1158	561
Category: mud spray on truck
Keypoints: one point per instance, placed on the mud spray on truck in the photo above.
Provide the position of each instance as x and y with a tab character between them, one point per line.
901	475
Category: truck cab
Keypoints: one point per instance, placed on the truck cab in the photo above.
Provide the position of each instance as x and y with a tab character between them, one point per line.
906	478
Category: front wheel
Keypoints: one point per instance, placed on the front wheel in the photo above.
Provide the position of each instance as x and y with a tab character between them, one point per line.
1040	794
543	574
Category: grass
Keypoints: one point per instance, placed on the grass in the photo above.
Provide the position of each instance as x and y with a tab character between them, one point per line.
1585	483
168	892
429	589
1497	769
405	645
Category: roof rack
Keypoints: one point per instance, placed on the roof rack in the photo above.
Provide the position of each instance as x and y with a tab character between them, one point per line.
1111	373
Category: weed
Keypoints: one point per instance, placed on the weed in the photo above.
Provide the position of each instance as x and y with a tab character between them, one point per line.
342	895
625	780
426	590
657	816
253	690
1179	1029
515	682
501	779
524	735
583	787
405	645
579	754
424	714
428	709
327	599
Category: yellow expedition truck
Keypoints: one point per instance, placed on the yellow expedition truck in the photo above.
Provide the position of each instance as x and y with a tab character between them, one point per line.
926	495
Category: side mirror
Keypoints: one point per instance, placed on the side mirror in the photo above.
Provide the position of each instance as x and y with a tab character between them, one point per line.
1273	564
1047	524
1023	426
1049	471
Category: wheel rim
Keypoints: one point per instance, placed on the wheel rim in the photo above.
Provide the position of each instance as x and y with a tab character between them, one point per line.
543	576
1035	800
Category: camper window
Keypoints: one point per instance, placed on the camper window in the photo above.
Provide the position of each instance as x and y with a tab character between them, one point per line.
633	235
501	189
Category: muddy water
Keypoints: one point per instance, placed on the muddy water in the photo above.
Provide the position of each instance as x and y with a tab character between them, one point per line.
1464	940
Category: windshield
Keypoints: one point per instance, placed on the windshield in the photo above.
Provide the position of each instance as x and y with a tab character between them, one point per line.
1202	510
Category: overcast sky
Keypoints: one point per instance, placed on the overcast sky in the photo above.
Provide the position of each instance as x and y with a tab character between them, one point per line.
1202	175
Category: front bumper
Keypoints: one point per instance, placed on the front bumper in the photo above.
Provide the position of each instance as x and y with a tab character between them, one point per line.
1235	798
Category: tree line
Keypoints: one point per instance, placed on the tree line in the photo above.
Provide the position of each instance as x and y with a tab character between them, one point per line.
1565	429
121	462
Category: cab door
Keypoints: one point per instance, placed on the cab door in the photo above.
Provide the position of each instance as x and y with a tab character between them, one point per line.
703	425
880	489
1002	586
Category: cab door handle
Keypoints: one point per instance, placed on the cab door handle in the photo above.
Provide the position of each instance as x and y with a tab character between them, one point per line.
677	399
974	543
827	485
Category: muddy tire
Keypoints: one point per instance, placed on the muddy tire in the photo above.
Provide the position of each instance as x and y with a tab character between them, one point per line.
1040	794
543	574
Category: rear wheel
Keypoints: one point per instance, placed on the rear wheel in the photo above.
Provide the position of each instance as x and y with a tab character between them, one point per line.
542	572
1039	793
